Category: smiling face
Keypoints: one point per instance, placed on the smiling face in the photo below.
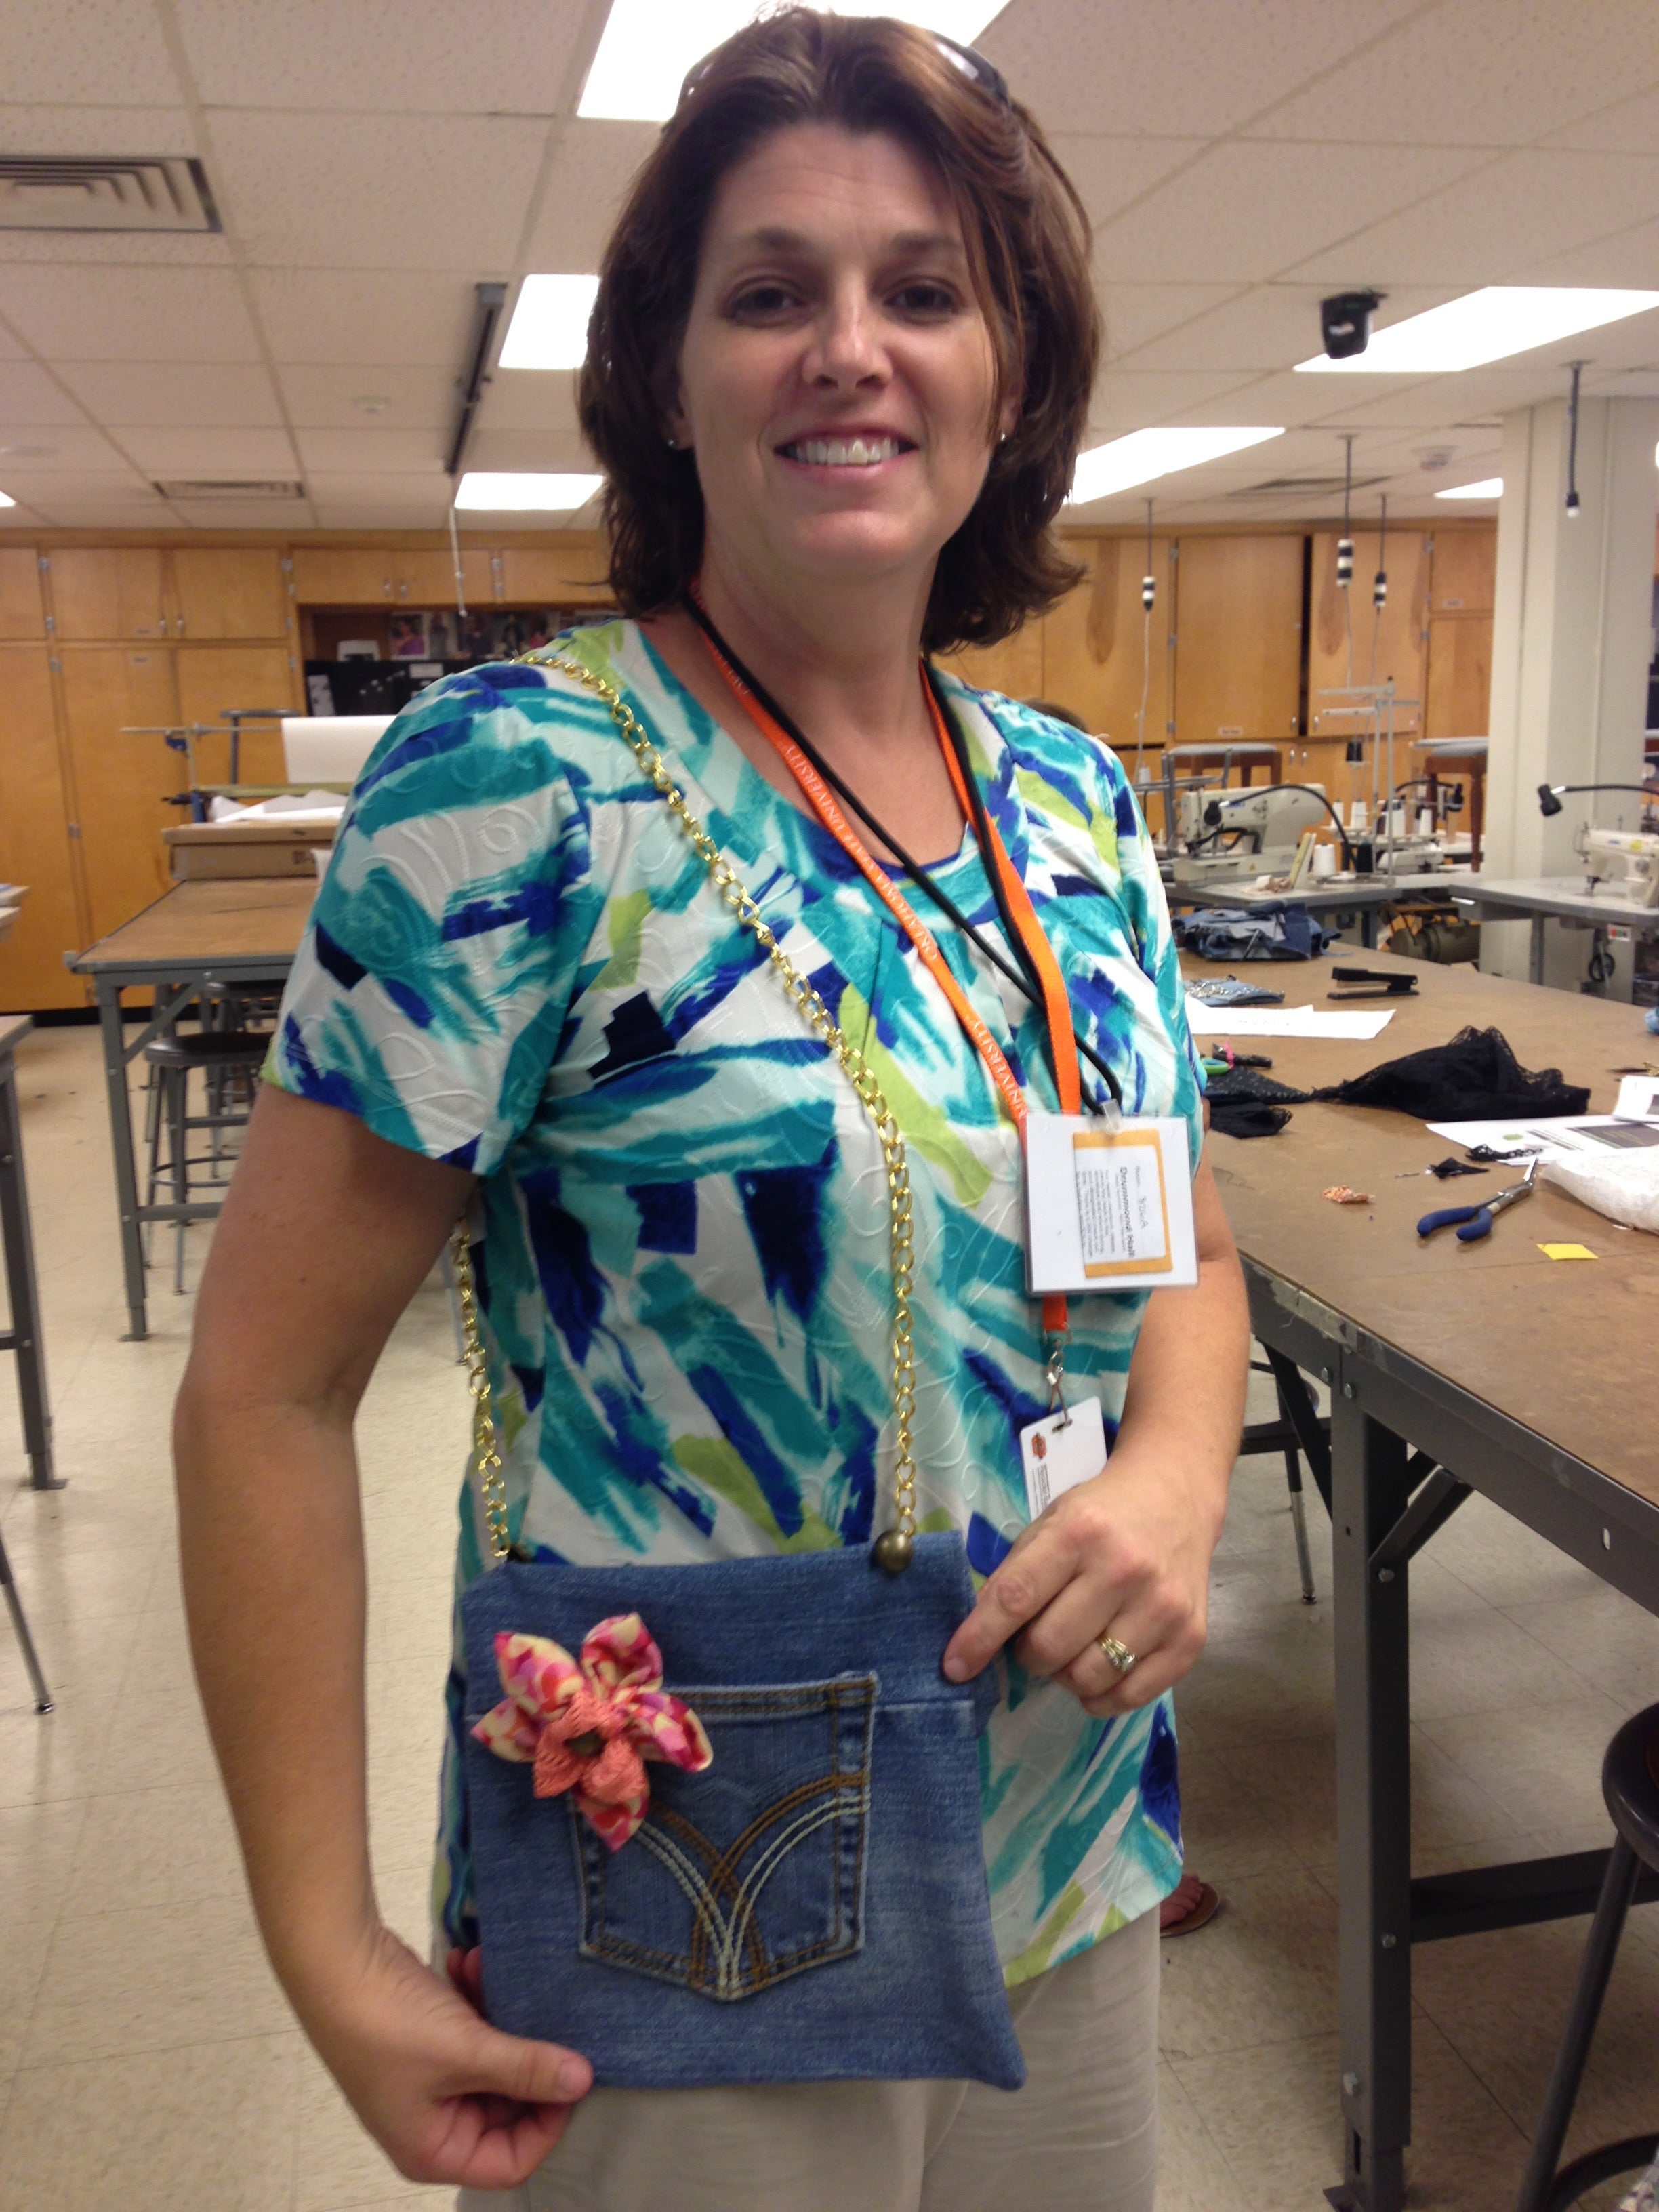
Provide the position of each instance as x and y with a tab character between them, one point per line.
837	375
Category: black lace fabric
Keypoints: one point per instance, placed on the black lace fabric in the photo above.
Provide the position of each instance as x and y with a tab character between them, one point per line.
1474	1078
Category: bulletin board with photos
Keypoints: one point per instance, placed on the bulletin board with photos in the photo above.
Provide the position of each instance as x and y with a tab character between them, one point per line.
373	661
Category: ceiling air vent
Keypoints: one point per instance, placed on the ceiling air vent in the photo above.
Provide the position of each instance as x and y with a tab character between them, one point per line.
105	191
230	488
1303	488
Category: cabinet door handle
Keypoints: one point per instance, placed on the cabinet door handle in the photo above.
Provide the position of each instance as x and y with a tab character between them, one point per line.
386	586
179	625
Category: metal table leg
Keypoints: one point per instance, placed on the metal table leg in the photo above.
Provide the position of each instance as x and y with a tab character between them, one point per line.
1371	1484
120	1138
23	1337
15	1606
1535	950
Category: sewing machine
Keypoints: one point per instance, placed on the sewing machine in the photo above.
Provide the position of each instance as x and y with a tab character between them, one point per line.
1621	863
1269	823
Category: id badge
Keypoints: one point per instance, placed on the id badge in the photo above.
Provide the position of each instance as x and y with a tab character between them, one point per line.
1065	1448
1109	1205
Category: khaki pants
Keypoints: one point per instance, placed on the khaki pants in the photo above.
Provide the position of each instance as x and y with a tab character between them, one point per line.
1081	2136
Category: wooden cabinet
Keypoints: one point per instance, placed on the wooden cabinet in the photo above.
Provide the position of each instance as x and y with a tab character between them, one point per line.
229	590
212	679
573	574
1459	675
1238	639
361	576
121	783
1098	650
35	840
108	592
1013	666
22	613
1464	571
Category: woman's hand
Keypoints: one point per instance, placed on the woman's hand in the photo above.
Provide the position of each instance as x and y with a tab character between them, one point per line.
448	2097
1127	1553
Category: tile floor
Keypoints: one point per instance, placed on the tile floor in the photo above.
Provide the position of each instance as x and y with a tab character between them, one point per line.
148	2062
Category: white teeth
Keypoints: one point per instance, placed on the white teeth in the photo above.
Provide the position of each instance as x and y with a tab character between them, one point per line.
844	453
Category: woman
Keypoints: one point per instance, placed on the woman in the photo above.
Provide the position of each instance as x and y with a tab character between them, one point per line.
839	370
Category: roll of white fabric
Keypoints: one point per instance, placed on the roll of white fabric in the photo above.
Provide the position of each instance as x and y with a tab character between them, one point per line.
329	748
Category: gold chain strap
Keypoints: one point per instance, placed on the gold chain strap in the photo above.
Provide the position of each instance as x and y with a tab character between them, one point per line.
893	1548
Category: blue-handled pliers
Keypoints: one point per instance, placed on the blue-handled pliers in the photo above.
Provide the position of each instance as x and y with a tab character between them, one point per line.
1476	1220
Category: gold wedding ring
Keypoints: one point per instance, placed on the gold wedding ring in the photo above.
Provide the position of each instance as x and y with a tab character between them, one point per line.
1119	1654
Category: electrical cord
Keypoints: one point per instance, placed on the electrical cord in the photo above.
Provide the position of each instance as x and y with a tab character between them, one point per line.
1313	790
1024	978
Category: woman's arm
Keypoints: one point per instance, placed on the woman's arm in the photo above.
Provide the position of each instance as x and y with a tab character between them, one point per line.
326	1233
1130	1550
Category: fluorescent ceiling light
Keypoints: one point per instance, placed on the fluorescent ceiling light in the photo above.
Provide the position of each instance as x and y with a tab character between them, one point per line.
1145	455
649	45
549	329
1483	326
5	502
1488	487
547	494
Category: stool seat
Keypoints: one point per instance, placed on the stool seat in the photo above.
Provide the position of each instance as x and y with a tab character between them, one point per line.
1630	1783
212	1049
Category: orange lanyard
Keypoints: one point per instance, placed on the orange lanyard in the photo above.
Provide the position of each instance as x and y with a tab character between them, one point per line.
1056	1005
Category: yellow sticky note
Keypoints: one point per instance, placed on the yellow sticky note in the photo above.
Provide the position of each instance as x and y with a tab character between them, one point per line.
1566	1251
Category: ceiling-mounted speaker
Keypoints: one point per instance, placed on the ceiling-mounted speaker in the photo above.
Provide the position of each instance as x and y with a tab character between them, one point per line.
1345	322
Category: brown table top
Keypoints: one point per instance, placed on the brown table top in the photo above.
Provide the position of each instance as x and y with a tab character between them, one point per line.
227	921
13	1028
1568	1348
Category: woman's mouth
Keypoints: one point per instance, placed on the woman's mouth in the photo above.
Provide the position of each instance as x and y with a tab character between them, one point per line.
845	452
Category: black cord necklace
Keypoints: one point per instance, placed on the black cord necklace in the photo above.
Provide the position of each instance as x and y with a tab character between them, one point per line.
1024	977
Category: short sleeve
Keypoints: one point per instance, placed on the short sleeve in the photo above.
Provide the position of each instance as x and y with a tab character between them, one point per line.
432	987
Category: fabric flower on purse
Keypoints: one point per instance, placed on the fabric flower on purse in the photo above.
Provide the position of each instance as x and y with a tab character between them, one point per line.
591	1726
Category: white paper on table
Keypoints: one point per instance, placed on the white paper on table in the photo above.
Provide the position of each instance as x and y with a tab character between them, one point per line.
1282	1021
1637	1099
1554	1136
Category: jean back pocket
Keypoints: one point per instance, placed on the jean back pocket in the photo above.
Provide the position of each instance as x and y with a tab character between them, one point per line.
753	1870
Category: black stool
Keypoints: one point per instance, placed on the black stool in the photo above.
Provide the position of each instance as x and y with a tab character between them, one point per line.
1630	1782
219	1053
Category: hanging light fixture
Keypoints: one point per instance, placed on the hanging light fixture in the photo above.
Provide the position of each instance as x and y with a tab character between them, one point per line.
1578	368
1345	543
1149	581
1380	584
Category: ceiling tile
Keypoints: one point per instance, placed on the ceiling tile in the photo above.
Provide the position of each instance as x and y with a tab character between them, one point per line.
87	131
327	398
174	452
450	193
1475	233
58	447
119	249
530	400
89	486
1631	127
1246	211
1127	400
591	169
450	56
331	316
215	395
86	51
1135	313
1626	258
244	514
1109	173
358	514
129	315
29	395
379	488
1182	66
1271	327
1481	73
529	449
369	449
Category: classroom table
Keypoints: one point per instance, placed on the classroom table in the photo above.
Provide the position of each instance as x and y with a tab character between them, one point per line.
239	930
1336	903
1451	1368
22	1336
1561	898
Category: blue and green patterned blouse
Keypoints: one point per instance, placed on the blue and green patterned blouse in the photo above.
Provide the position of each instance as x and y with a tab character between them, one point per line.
517	964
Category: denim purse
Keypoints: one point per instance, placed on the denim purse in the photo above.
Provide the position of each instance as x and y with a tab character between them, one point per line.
725	1821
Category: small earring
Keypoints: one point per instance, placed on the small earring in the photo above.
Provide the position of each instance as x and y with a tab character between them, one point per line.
1003	439
670	443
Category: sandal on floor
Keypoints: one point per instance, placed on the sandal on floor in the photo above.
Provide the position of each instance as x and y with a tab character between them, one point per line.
1191	1905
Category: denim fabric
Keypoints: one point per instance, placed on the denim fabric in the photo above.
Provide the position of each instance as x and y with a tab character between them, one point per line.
813	1907
1268	931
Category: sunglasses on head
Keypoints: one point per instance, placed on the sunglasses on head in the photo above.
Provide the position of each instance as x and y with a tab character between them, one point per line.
973	66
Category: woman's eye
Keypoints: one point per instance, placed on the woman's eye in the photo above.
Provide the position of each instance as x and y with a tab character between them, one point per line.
762	301
926	299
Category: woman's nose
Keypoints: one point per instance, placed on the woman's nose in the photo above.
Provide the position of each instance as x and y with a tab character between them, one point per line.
847	348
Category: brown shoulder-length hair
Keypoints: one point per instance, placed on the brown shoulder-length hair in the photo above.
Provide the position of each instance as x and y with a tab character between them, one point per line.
1028	241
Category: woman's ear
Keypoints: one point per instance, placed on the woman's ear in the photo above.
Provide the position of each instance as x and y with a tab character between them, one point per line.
676	423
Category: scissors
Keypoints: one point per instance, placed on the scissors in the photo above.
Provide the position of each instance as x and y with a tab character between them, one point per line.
1476	1220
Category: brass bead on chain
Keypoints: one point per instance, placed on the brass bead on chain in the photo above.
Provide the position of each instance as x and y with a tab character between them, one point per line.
893	1549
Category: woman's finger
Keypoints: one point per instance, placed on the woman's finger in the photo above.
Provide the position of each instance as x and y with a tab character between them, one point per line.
1039	1566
